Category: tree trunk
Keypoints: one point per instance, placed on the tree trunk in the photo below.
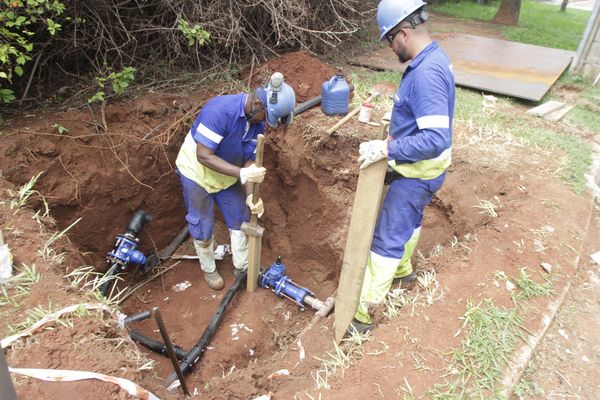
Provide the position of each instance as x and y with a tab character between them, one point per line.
508	13
563	5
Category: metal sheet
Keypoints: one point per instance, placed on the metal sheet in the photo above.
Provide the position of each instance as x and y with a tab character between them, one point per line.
492	65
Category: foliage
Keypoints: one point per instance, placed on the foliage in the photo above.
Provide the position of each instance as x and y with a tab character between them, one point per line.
539	24
23	24
194	34
118	81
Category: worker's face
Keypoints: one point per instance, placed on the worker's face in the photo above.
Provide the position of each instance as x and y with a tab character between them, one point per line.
398	40
260	114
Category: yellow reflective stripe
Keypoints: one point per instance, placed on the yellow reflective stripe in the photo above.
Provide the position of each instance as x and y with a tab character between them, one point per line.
405	264
189	166
425	169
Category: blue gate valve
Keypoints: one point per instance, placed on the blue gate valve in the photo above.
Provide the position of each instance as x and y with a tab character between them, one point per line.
283	286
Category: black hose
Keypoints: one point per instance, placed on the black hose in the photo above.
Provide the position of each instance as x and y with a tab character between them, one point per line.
110	277
137	317
310	103
155	345
195	354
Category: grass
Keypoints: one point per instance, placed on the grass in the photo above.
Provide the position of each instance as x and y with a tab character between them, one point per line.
364	80
530	288
20	197
539	24
477	365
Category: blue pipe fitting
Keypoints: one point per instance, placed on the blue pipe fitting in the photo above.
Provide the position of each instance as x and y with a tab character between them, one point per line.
126	251
282	285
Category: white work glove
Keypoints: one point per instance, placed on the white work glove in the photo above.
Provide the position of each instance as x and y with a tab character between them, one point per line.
255	208
372	151
252	174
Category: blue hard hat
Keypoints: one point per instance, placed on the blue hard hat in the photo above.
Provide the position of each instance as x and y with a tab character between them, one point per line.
278	99
391	12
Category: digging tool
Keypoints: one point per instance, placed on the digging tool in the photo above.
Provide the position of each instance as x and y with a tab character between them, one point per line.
351	114
367	200
252	229
7	390
169	346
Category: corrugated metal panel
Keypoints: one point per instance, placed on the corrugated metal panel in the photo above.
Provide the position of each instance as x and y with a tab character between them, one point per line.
492	65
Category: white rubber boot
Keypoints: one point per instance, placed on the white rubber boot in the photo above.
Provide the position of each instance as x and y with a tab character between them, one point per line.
239	251
205	251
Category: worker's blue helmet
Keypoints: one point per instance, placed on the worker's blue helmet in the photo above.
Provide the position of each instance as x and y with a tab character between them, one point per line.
279	101
391	12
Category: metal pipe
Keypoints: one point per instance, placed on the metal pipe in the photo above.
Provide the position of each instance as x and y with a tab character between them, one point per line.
196	353
165	335
155	345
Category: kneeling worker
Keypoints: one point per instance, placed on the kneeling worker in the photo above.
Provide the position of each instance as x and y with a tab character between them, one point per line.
217	158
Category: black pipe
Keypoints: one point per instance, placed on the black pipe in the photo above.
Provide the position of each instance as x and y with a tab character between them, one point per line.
310	103
155	345
196	353
137	317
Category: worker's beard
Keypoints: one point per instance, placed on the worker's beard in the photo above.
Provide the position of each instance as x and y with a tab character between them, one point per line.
403	57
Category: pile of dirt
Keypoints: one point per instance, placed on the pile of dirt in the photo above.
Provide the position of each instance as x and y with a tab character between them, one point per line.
301	71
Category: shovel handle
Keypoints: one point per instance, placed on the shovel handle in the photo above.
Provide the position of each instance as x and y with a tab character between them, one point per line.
260	145
350	115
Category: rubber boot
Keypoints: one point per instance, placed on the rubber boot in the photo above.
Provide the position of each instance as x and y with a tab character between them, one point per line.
205	251
239	251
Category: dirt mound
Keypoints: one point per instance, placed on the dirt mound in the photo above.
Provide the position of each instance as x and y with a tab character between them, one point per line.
303	72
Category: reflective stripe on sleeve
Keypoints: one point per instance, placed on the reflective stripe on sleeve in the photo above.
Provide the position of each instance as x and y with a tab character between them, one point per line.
433	121
207	133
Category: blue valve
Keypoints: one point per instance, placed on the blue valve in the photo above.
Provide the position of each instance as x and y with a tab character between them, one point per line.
282	285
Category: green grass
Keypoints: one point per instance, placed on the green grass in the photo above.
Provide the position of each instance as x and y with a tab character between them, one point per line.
477	365
530	288
577	153
539	24
364	80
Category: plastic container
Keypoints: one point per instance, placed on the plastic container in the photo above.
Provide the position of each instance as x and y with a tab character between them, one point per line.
335	96
366	110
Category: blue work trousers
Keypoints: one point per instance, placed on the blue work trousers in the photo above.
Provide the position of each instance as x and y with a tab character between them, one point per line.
200	208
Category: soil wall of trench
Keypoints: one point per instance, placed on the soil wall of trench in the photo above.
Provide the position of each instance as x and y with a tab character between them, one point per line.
101	178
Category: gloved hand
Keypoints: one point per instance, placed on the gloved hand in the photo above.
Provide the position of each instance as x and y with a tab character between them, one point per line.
372	151
255	208
252	174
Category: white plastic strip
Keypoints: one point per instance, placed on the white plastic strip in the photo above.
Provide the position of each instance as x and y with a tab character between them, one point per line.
7	341
57	375
207	133
433	121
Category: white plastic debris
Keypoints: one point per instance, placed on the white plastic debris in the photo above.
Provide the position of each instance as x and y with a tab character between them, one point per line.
58	375
546	267
510	286
264	397
180	287
221	250
301	352
596	257
6	259
280	372
564	334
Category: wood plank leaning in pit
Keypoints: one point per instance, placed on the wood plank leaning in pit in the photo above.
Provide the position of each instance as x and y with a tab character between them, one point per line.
255	240
365	210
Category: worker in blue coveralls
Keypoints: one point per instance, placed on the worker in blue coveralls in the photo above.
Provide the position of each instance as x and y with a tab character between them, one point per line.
417	149
217	159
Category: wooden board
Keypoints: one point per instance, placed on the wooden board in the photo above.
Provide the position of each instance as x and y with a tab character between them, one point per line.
254	242
367	200
546	108
558	114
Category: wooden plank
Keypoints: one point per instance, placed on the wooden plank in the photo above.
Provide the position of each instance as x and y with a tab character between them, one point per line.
546	108
255	242
558	114
358	243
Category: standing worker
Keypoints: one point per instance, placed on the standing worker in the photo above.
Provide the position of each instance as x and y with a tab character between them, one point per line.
417	149
217	158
